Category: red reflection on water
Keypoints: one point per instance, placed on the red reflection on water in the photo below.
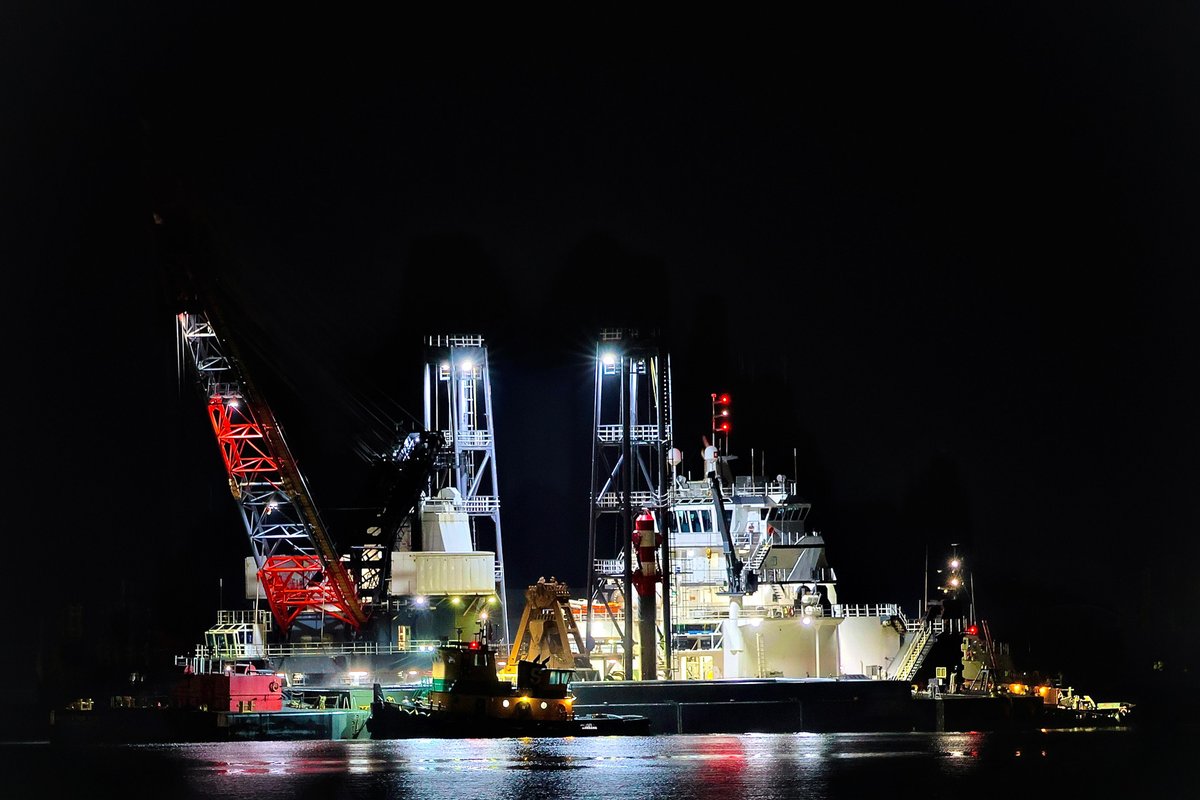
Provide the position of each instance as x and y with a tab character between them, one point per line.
723	746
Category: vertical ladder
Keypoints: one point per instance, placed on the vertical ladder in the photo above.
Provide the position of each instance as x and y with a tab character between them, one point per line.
467	423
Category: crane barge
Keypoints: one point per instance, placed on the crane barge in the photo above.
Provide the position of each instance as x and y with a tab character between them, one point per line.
413	566
412	574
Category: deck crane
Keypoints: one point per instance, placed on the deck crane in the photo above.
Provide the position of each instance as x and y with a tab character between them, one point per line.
742	579
402	475
298	567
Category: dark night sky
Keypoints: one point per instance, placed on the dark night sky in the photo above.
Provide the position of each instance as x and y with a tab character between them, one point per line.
950	259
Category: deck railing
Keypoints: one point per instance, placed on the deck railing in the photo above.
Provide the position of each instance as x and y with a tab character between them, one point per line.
882	610
314	649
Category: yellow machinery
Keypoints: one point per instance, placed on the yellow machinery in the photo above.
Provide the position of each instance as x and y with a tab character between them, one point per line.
547	629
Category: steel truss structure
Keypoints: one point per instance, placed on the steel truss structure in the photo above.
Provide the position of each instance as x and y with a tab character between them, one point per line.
458	405
631	442
298	567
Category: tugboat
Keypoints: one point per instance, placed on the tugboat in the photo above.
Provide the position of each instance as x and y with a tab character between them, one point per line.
467	699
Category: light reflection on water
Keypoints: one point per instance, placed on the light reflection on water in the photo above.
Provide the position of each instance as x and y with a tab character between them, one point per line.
1066	763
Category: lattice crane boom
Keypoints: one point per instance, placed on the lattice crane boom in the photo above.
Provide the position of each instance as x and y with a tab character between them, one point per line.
298	566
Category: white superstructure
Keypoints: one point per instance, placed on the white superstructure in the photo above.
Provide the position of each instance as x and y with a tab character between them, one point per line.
743	586
786	620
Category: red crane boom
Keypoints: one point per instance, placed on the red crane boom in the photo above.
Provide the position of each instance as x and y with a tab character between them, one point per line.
298	566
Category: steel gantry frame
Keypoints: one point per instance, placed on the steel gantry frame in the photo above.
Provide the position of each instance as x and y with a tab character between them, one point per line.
631	441
298	566
458	404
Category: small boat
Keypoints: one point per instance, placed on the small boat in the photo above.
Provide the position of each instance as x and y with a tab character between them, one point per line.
467	699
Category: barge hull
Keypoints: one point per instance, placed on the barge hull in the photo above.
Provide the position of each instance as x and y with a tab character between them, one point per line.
163	726
774	705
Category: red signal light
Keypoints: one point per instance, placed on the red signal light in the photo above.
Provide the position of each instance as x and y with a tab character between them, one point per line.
972	630
721	416
473	646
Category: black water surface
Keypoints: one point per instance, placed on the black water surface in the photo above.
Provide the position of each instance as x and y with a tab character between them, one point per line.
1072	764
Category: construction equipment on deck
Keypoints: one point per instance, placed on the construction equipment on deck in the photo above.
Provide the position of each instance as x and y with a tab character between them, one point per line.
547	629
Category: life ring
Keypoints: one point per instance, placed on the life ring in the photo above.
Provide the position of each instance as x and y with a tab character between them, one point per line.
273	686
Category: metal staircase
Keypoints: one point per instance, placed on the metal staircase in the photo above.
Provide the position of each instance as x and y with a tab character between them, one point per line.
916	652
755	562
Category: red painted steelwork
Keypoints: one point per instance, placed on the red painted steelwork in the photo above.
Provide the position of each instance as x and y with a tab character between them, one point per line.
295	584
241	442
231	691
